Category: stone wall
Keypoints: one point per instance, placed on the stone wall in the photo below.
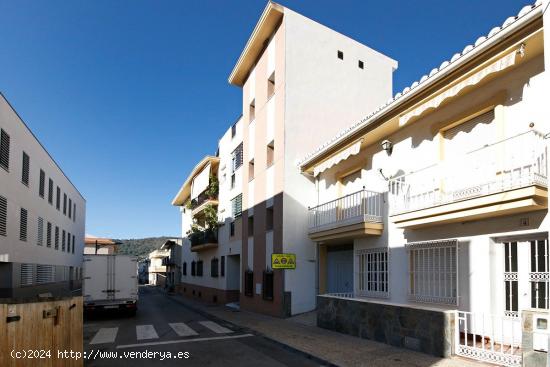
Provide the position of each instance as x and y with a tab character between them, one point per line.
422	329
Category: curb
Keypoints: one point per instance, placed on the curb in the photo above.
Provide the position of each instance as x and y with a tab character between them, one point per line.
201	311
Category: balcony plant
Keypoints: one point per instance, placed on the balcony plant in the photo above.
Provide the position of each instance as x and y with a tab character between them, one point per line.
213	188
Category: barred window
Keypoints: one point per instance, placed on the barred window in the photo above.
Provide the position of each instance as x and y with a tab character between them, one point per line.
58	198
50	191
40	237
3	216
25	169
237	206
373	272
42	184
237	158
433	271
27	274
4	150
56	238
23	225
49	234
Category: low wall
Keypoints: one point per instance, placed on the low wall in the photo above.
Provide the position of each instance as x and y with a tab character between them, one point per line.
425	330
207	294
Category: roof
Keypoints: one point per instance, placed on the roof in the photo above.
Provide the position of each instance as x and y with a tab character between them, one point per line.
92	240
185	189
268	23
168	244
511	24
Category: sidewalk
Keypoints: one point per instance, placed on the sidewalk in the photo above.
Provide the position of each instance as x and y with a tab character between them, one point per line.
301	334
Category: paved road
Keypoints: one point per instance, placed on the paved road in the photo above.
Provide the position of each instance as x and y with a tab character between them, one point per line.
163	325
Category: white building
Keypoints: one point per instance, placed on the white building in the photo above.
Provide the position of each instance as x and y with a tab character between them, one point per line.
42	216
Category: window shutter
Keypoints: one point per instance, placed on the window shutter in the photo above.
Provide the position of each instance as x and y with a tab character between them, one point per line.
23	225
3	216
222	268
49	234
45	274
42	184
27	274
73	246
4	150
50	191
64	204
63	240
58	198
70	208
25	170
56	238
40	237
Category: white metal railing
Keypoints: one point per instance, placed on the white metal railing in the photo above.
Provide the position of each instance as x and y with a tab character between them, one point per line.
489	338
511	163
363	205
341	295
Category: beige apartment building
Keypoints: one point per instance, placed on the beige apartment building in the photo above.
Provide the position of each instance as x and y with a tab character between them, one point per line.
302	82
100	246
432	211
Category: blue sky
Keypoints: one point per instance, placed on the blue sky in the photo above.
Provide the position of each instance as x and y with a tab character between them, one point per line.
128	95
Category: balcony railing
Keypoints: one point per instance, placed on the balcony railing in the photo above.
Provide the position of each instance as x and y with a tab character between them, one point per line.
509	164
361	206
201	199
207	236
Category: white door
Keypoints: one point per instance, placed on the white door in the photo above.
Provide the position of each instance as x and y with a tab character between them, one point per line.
340	271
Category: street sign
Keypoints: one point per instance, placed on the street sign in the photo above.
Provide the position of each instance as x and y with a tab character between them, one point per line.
283	261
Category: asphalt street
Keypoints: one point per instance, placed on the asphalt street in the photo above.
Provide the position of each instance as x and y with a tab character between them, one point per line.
166	333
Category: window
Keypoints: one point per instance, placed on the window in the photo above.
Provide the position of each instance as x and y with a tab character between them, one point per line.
252	111
64	204
269	219
251	170
3	216
237	158
433	271
40	237
50	191
214	263
539	274
267	286
72	250
340	55
233	181
63	240
58	198
361	64
68	242
48	234
250	226
234	129
222	268
42	184
184	268
45	274
70	208
237	206
193	268
270	154
56	238
373	272
271	86
232	229
23	225
27	274
249	283
4	150
199	268
25	170
74	212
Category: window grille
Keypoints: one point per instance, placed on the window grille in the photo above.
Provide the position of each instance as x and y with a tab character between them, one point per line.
45	274
214	265
56	239
237	206
373	276
40	237
539	276
27	274
511	278
249	283
49	234
433	271
23	225
3	216
25	170
50	191
267	286
42	184
4	150
237	158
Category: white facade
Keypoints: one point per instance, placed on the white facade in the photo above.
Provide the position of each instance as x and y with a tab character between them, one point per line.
48	247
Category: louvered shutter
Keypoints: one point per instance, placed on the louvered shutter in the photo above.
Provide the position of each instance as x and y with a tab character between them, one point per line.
27	274
25	170
23	225
3	216
4	150
40	237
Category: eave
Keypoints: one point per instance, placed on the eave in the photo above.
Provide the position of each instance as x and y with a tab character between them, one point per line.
185	189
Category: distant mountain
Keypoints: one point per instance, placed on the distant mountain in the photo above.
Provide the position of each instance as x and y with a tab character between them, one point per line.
140	247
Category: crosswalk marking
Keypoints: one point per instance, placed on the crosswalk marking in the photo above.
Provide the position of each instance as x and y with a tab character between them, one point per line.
146	332
105	335
218	329
182	330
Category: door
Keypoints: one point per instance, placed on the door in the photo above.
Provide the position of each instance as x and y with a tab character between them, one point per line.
340	271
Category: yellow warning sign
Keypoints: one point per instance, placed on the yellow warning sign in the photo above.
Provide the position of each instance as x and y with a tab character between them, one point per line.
283	261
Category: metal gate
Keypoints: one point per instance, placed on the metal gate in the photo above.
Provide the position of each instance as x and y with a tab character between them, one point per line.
489	338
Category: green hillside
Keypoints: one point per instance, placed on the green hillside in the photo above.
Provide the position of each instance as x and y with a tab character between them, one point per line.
140	247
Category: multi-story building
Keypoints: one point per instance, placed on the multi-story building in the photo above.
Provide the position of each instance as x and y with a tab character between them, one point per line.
172	262
301	83
211	206
435	206
41	216
100	246
156	270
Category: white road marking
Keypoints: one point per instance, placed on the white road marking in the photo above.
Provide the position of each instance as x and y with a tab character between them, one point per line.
215	327
105	335
184	341
182	330
146	332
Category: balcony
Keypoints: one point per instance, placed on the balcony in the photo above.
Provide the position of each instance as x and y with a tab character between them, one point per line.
157	269
201	202
503	178
203	240
354	215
